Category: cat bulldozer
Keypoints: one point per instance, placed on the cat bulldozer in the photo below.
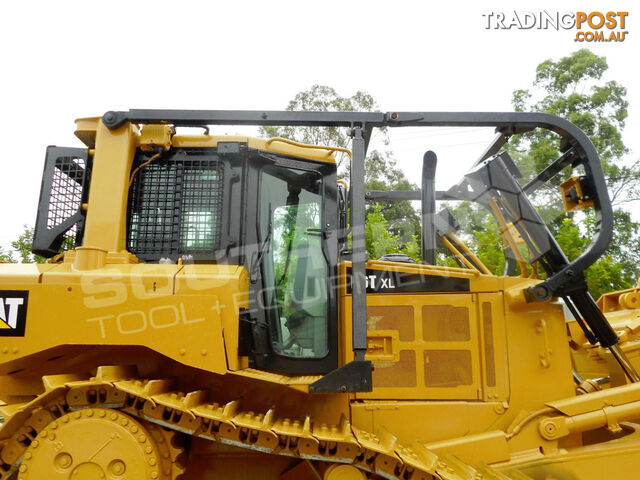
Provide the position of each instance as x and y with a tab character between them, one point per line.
208	310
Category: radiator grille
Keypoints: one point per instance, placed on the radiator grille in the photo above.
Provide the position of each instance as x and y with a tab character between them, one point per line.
175	205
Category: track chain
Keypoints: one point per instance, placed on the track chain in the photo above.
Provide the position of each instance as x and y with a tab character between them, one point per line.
193	413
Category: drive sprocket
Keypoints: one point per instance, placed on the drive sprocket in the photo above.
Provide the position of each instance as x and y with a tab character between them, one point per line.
100	444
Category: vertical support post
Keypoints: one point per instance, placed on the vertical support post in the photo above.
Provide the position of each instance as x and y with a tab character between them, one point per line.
359	256
429	163
106	224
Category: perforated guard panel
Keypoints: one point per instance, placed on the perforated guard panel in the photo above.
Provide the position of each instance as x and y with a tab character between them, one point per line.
65	184
175	204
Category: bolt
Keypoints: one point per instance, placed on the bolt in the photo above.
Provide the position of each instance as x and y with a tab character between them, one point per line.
117	467
541	292
63	460
549	430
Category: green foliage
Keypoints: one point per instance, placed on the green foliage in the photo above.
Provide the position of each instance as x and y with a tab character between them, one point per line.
571	87
379	240
6	257
412	248
22	246
608	273
382	171
321	98
487	244
291	224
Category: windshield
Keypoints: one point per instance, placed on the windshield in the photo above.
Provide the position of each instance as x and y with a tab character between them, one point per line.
294	268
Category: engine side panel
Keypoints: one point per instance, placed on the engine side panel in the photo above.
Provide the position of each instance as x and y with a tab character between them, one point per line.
185	312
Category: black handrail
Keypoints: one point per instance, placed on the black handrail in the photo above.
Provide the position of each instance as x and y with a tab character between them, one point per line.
362	124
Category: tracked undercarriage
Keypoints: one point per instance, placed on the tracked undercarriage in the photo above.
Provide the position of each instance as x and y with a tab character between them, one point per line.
130	410
230	273
115	425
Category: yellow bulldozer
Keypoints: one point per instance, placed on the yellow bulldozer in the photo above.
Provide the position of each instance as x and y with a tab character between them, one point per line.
208	311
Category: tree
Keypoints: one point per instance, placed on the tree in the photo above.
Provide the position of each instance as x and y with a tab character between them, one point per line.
23	244
6	257
22	247
382	172
572	87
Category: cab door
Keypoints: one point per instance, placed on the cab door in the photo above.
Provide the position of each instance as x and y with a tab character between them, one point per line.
293	256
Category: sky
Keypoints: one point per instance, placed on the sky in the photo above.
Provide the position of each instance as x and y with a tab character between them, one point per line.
71	59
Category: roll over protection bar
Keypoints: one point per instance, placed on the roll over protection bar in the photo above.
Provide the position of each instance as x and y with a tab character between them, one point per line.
362	125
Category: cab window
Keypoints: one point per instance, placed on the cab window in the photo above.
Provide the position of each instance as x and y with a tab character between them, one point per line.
294	267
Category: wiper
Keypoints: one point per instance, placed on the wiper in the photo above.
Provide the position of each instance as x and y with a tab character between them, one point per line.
255	266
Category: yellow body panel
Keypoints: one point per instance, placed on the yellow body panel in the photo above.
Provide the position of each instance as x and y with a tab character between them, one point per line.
182	312
469	377
514	359
87	128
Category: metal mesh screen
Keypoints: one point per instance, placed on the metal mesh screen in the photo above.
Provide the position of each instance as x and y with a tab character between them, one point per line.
67	185
176	204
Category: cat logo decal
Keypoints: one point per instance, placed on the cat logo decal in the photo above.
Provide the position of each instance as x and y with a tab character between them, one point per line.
13	312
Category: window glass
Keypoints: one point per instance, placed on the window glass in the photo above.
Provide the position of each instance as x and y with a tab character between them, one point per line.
294	267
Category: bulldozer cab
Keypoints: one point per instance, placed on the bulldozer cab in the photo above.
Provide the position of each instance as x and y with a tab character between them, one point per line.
209	303
275	207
